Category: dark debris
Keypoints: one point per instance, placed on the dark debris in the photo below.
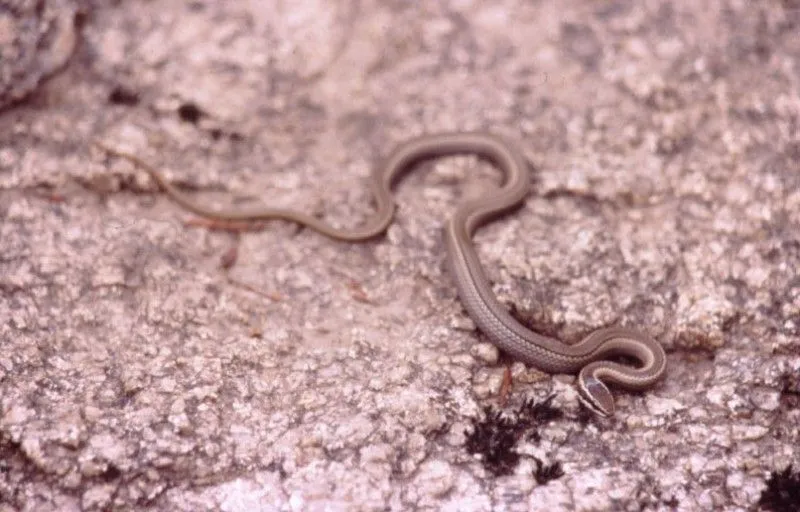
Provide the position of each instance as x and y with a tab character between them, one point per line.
190	113
783	491
546	472
541	412
496	436
120	95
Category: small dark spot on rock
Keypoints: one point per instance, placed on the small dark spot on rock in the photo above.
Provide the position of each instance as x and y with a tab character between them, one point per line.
277	467
123	96
190	113
82	18
111	473
672	502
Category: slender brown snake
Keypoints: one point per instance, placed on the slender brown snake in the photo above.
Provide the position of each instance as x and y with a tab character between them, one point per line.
589	357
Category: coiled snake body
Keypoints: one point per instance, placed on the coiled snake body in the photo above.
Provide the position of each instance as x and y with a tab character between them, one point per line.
589	357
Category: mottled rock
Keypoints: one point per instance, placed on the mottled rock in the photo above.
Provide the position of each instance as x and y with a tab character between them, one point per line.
136	373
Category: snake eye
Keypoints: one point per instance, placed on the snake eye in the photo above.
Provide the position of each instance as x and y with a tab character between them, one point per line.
596	395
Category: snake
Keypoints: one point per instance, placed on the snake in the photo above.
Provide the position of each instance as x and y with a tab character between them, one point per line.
595	358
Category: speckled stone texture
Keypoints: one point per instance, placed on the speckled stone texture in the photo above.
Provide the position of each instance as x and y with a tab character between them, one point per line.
37	38
136	372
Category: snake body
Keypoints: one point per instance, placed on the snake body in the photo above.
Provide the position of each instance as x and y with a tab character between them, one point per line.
589	357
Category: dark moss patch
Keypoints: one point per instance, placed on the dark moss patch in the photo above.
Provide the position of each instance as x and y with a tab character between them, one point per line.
495	436
783	491
546	472
540	413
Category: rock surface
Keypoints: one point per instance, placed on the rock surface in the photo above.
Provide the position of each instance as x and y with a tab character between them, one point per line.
37	38
136	371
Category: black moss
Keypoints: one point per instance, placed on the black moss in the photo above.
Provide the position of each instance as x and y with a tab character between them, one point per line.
546	472
783	491
495	437
539	413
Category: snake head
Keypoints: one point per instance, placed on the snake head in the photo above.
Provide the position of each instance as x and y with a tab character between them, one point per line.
595	394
